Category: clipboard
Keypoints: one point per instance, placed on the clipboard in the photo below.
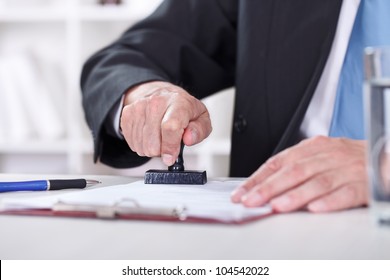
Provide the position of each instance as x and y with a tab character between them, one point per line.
114	212
139	207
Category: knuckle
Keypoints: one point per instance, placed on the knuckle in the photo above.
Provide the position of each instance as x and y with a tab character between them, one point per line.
139	151
171	125
129	142
141	154
248	185
125	117
169	93
151	144
342	145
131	146
155	150
139	107
273	164
152	151
124	126
265	192
296	171
343	141
125	112
146	150
318	140
324	182
155	102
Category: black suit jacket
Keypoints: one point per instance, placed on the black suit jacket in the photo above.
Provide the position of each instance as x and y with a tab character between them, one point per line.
272	51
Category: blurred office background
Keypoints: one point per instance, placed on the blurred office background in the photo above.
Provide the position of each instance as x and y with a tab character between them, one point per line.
43	44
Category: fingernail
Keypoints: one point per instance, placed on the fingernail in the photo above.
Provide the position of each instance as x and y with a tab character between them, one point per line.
252	199
167	159
282	203
237	195
318	206
194	135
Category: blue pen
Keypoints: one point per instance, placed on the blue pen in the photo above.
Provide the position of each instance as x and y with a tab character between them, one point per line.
46	185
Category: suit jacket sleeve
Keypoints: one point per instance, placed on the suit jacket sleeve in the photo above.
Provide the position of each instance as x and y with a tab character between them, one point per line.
191	43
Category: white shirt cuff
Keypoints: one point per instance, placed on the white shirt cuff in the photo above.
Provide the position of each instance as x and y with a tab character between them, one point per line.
112	123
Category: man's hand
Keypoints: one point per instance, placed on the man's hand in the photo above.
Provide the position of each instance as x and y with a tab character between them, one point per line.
156	116
322	174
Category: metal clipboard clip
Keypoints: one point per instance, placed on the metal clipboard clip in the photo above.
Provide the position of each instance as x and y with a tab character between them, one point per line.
126	206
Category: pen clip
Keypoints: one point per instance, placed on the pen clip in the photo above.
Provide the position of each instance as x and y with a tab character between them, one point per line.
118	209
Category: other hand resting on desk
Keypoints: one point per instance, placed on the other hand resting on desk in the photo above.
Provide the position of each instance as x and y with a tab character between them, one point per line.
323	174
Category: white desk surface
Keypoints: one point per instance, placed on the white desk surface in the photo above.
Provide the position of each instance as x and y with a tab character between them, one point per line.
301	235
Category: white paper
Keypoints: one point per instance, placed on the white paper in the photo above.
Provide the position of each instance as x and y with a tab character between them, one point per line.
209	201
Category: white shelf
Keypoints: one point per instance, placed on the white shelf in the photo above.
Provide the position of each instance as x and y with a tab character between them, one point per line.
84	13
34	147
110	13
33	15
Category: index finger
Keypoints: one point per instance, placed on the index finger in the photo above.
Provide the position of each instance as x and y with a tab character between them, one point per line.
172	128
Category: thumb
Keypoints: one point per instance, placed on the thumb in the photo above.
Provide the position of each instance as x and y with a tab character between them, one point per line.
197	130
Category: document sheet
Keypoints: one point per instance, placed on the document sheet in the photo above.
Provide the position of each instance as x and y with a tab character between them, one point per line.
209	201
